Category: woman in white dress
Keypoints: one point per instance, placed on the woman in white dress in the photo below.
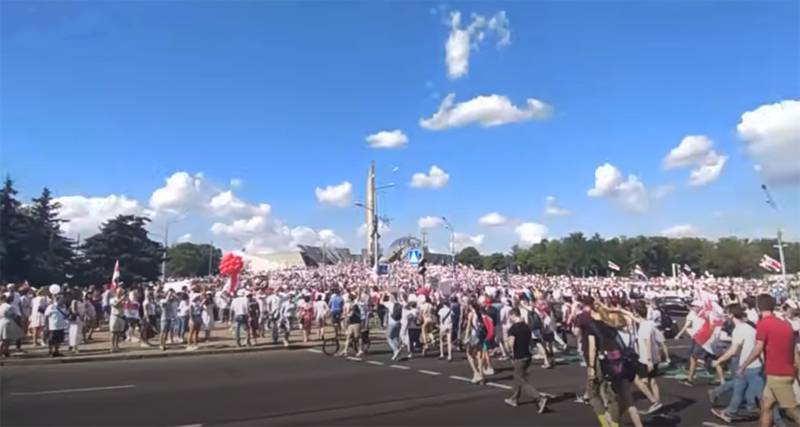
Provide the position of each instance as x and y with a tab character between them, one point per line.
116	321
9	329
76	316
320	313
208	315
37	320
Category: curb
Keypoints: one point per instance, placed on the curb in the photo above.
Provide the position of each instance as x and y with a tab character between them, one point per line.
154	354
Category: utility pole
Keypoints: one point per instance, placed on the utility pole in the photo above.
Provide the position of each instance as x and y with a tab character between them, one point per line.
164	257
774	206
210	256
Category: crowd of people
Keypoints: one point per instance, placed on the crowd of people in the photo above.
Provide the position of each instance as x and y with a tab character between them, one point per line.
615	324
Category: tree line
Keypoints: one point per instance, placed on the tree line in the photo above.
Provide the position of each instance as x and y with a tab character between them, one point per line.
578	255
34	248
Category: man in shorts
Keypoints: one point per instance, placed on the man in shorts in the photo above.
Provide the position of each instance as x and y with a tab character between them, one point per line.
775	339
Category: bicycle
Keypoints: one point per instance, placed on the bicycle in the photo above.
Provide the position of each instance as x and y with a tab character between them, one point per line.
332	346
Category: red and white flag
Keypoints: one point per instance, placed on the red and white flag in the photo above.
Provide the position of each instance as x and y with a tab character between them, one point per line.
115	276
638	271
769	263
612	266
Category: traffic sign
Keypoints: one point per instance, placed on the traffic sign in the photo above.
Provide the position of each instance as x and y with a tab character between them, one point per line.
414	256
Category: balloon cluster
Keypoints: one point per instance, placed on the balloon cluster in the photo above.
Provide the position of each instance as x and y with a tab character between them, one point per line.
230	265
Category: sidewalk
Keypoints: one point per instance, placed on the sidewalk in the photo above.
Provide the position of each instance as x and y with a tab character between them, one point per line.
221	341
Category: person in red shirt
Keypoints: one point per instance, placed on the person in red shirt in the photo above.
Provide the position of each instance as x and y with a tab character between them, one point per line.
775	338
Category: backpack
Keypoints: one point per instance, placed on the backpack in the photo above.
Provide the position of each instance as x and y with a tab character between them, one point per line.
489	325
397	312
666	321
534	320
355	314
616	364
481	331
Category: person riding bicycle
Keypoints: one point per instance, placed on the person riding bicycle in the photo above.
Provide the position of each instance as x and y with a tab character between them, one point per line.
336	305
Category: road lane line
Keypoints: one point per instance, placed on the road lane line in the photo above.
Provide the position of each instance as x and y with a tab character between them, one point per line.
354	359
400	367
456	377
191	425
375	362
315	350
72	390
502	386
422	371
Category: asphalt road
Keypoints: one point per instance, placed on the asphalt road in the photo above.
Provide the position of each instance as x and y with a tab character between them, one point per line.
302	387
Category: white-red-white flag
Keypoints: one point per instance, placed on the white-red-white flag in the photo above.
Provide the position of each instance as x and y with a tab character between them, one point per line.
115	276
769	263
638	271
612	266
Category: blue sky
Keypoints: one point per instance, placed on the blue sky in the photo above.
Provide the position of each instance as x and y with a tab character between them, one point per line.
101	100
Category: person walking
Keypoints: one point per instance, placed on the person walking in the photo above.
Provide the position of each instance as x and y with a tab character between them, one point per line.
353	316
9	329
445	315
169	315
75	317
37	321
775	340
239	310
320	314
519	341
56	315
116	320
393	324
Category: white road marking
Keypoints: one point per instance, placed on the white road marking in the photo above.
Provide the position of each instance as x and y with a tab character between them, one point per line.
191	425
400	367
422	371
502	386
73	390
375	362
456	377
315	350
355	359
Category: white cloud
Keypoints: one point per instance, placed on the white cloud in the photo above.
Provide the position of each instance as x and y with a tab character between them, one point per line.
692	149
493	219
630	194
182	192
387	139
463	240
772	135
383	229
531	233
435	178
662	191
86	214
486	110
708	170
185	238
261	235
430	222
236	183
461	40
681	230
696	150
336	195
551	207
227	204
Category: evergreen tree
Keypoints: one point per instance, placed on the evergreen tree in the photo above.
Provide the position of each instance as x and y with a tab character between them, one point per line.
13	226
50	254
191	260
123	238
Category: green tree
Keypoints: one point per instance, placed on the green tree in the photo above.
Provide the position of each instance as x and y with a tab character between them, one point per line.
50	254
191	260
470	256
123	238
13	229
496	262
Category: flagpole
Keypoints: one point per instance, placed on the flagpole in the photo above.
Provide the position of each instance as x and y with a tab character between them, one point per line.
774	206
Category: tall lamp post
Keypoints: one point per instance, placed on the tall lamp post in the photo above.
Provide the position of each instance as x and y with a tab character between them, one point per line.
374	233
449	227
167	223
774	206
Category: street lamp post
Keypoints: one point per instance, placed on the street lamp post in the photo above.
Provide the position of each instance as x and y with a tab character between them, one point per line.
374	233
449	227
774	206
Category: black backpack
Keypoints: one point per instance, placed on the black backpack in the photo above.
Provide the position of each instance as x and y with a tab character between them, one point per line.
534	320
355	314
397	312
481	331
666	320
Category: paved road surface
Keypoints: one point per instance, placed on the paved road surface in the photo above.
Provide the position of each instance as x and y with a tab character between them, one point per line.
300	387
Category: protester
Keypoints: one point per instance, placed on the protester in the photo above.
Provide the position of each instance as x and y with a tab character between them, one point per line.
9	328
519	338
56	315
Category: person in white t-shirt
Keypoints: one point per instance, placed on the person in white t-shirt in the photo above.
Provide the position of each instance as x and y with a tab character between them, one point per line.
647	348
445	315
320	313
747	387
